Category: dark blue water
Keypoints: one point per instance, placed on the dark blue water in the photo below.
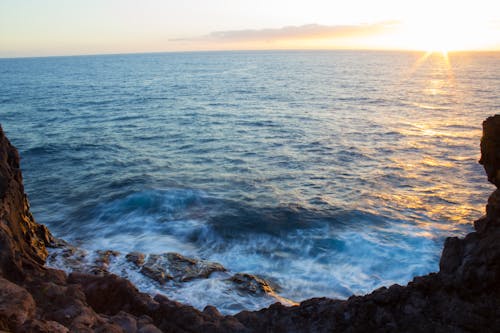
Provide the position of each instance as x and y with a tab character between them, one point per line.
330	173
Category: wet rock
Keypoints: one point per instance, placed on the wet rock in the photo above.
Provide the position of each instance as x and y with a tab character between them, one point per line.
137	258
155	269
97	270
104	257
68	256
252	284
173	266
101	262
75	259
186	269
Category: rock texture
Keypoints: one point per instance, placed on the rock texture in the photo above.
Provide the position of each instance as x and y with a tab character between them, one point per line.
464	296
253	284
173	266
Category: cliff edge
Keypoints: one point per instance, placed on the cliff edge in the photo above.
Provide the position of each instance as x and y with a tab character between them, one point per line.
464	296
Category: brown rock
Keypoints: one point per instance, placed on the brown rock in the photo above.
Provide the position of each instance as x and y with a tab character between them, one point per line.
104	257
22	241
185	269
137	258
45	326
156	269
173	266
149	328
16	305
126	321
111	294
252	284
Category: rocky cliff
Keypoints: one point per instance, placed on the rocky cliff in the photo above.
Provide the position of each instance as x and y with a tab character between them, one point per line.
464	296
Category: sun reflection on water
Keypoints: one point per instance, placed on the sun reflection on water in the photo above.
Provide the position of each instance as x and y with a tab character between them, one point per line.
438	157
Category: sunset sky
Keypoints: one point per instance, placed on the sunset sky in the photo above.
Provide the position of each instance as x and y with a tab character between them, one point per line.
62	27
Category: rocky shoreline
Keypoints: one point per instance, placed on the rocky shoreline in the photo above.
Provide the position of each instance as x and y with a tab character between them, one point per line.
464	296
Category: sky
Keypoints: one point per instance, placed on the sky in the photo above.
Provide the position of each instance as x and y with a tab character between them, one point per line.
71	27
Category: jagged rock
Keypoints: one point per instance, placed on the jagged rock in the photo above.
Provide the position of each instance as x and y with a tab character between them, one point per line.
490	149
102	260
104	257
111	294
70	257
22	241
16	305
137	258
186	269
253	284
75	259
155	269
173	266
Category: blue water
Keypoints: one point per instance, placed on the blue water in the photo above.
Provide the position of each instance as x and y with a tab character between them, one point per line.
329	173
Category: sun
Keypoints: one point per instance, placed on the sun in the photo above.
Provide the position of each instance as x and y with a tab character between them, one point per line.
437	36
445	26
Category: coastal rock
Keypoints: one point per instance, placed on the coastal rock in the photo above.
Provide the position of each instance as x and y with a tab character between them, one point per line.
186	269
137	258
102	261
252	284
22	241
157	269
173	266
490	149
126	321
105	256
16	305
68	256
75	259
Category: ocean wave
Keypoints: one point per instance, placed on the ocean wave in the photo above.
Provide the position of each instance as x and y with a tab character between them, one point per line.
330	252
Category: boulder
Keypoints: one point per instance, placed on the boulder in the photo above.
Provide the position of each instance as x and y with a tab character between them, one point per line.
173	266
137	258
16	305
253	284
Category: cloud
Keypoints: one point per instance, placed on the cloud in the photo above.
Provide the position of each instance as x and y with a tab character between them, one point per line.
308	31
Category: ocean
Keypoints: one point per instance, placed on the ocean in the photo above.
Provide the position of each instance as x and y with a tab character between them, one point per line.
328	173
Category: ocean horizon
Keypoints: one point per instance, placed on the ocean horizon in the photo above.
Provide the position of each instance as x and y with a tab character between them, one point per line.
325	173
215	51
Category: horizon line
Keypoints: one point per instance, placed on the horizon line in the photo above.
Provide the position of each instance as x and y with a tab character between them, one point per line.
251	50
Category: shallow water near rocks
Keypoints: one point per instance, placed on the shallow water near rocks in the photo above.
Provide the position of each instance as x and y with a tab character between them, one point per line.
327	173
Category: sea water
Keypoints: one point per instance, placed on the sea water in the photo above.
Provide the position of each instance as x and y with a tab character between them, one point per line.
330	173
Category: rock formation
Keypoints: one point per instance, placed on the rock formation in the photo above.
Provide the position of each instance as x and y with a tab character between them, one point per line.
464	296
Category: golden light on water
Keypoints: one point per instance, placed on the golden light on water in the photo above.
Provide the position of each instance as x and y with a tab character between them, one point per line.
431	177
